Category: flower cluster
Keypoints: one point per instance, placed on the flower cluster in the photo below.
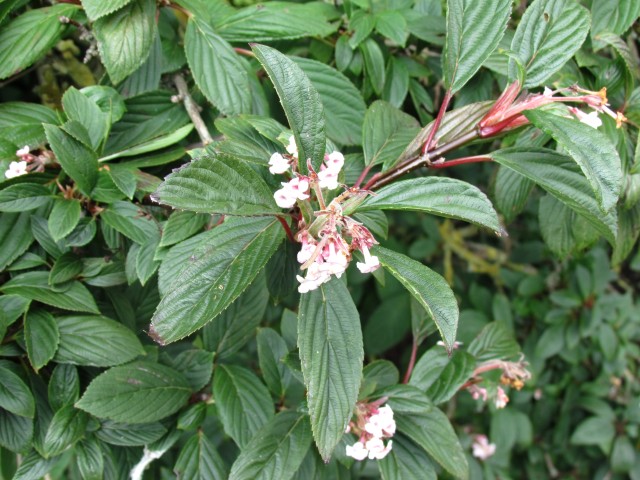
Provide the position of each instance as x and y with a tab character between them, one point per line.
327	251
514	374
28	162
374	425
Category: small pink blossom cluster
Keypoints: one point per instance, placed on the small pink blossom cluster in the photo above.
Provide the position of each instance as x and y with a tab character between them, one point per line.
28	162
481	448
331	254
376	425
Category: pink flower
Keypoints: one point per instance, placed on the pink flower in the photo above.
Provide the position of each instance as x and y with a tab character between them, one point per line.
278	164
294	189
377	449
371	262
501	398
328	179
16	169
381	424
334	161
481	447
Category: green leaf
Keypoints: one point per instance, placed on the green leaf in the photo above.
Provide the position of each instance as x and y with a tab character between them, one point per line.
64	217
216	68
276	450
428	287
41	337
99	8
594	431
238	250
15	396
146	265
90	459
623	455
433	432
16	432
361	24
182	225
20	47
274	21
301	103
406	399
35	286
560	176
125	38
196	365
234	327
82	109
397	81
548	35
130	220
34	467
373	64
622	49
139	392
66	428
64	386
271	351
244	403
218	184
511	193
474	30
615	16
442	196
95	341
591	149
376	375
147	77
67	267
22	197
80	163
454	375
128	435
15	236
391	24
199	460
385	133
494	342
21	122
344	107
406	461
331	353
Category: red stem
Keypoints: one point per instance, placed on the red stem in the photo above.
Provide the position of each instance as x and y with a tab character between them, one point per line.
412	362
363	175
436	125
287	229
461	161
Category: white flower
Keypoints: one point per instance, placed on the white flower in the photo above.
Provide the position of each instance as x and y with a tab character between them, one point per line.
23	151
328	179
371	262
381	424
456	344
306	251
482	449
376	448
292	148
334	161
316	276
278	164
501	398
294	189
357	451
16	169
335	256
547	92
590	119
285	197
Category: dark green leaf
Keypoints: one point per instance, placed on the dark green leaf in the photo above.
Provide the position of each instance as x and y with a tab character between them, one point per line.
16	432
391	24
15	236
494	342
95	341
139	392
406	399
271	351
82	109
199	460
276	450
196	365
90	459
243	402
41	337
15	396
301	103
331	352
67	267
406	461
130	220
66	428
98	8
64	386
594	431
218	184
125	38
454	375
238	250
64	217
615	16
397	83
373	64
34	467
128	435
23	196
182	225
21	122
511	193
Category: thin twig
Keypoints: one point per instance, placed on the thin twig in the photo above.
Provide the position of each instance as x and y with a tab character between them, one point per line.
192	109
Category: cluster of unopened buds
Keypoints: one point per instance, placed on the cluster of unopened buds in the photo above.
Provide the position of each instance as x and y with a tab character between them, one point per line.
28	162
514	375
327	252
374	424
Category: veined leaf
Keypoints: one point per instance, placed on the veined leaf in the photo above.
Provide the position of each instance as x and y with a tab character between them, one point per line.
67	426
22	197
139	392
218	184
343	104
243	402
21	122
591	149
406	461
15	236
64	217
548	35
182	225
216	68
99	8
238	250
446	197
614	16
331	354
301	103
385	133
90	459
125	38
41	337
81	108
428	287
474	30
20	46
561	177
373	64
15	396
199	460
276	450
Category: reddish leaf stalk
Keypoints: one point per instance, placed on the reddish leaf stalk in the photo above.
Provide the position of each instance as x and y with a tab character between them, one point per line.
461	161
412	362
436	125
286	227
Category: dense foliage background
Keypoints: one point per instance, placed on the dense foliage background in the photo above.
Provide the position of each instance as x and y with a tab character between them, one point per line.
146	330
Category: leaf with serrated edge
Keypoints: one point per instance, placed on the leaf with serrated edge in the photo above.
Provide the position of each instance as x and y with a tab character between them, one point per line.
474	30
99	8
15	396
218	184
406	461
217	69
41	337
331	354
561	177
428	287
139	392
446	197
276	450
199	460
239	249
592	150
301	103
548	35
